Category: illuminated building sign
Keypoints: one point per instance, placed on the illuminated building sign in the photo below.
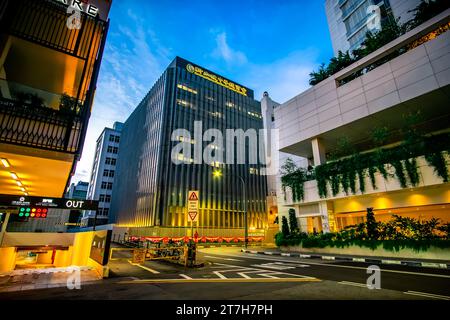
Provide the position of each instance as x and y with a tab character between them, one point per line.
48	203
216	79
81	5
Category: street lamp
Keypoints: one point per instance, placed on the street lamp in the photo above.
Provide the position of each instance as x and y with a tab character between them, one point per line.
218	174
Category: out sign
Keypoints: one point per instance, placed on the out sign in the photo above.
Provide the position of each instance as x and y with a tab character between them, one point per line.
74	204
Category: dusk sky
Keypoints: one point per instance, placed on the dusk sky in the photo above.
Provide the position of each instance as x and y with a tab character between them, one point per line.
265	45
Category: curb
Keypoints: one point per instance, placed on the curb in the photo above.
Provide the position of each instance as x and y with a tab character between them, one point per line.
350	259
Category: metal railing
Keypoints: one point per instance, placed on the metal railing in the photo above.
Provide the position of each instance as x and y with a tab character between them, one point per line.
23	123
45	22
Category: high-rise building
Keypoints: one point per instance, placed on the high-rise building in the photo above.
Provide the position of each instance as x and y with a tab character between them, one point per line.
152	181
378	134
102	174
49	63
348	20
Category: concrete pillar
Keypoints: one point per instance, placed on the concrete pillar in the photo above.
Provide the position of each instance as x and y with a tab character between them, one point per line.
318	151
323	210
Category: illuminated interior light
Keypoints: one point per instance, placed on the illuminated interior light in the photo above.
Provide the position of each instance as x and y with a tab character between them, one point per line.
14	176
19	183
5	162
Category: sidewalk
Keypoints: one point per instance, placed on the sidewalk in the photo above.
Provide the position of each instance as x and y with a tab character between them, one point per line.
31	279
441	264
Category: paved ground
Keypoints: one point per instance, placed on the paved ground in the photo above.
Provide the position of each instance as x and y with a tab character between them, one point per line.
230	274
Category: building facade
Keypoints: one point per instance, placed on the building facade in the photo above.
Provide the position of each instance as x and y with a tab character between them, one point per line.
337	124
48	75
102	174
150	193
350	20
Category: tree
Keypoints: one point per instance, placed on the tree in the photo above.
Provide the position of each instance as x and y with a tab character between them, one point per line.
318	76
288	167
293	221
284	226
372	225
427	10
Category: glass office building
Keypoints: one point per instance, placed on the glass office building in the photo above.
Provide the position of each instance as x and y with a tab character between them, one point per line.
150	193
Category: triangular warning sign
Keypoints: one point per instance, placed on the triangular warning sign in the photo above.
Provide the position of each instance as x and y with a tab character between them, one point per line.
192	215
193	196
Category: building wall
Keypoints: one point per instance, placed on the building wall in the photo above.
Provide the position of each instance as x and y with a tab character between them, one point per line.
103	174
347	20
156	188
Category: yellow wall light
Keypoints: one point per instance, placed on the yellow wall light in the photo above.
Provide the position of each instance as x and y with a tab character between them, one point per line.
5	162
217	173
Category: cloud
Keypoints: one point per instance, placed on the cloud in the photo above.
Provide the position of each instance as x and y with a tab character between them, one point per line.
133	60
283	78
225	52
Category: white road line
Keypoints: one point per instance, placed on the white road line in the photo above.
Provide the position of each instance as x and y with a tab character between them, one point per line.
221	276
185	276
427	295
243	275
346	267
355	284
267	276
263	270
275	266
228	259
145	268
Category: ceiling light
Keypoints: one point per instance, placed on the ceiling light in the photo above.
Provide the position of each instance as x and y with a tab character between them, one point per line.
5	162
14	176
23	189
19	183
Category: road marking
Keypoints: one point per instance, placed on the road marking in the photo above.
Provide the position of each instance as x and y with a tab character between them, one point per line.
185	276
355	284
221	276
143	267
347	267
219	280
273	265
253	270
268	275
428	295
228	259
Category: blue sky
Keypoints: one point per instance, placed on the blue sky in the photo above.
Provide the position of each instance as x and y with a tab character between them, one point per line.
265	45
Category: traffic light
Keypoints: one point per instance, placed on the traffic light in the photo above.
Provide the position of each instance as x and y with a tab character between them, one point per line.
32	212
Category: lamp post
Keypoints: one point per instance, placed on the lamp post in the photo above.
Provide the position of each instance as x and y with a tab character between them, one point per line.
218	174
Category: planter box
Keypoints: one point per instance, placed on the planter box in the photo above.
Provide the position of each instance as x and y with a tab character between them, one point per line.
432	253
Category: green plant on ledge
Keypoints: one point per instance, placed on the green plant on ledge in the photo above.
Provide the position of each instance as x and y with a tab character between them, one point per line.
394	235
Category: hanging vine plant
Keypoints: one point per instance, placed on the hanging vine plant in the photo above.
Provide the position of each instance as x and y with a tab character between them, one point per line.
372	170
412	171
403	159
437	160
295	181
335	181
400	173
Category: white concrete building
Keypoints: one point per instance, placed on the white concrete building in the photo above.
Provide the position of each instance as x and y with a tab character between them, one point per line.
311	124
347	19
102	174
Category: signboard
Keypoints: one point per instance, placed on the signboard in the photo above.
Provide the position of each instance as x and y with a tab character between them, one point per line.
138	256
46	202
193	198
214	78
91	7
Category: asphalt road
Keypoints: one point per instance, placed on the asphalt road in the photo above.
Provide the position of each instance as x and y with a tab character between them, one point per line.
229	274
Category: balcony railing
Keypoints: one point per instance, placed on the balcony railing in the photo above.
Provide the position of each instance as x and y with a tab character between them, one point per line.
40	119
45	22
